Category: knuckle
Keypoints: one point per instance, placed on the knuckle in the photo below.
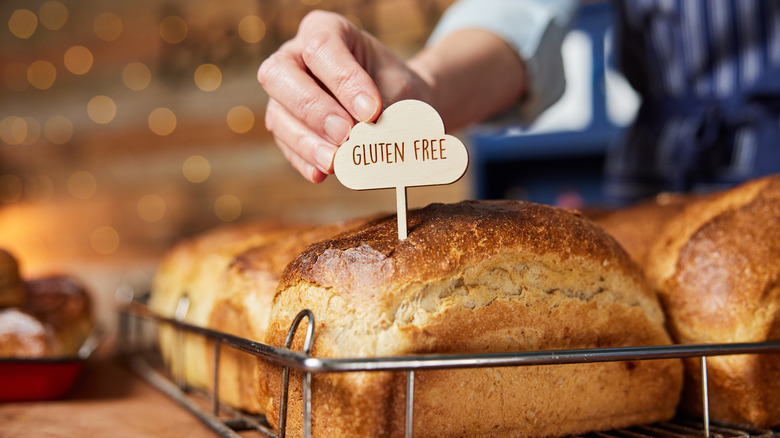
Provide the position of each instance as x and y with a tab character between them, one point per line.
267	69
307	104
345	78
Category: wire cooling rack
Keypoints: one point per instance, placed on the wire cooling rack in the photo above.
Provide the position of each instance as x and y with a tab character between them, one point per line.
231	421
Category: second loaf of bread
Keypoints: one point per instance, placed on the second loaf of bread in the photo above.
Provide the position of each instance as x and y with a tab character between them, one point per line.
475	277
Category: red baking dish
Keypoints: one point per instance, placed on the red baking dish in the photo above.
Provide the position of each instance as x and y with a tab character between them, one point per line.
37	379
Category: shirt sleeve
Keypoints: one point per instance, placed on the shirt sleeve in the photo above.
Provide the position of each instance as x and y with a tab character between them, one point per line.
535	28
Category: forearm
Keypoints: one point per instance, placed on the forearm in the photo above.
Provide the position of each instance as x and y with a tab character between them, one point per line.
473	74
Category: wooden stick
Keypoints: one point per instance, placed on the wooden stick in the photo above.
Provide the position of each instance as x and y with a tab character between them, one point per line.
401	207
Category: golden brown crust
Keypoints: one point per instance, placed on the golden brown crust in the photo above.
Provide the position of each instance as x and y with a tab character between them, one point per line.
637	227
243	307
475	277
717	269
195	268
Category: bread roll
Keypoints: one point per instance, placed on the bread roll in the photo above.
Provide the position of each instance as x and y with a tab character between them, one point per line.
65	305
12	293
24	336
55	321
474	277
717	269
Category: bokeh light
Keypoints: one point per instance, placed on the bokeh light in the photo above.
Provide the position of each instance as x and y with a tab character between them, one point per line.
196	169
13	130
162	121
53	15
23	23
151	208
82	184
78	60
58	129
10	188
104	240
227	208
101	109
208	77
108	26
251	29
41	74
173	29
15	76
136	76
240	119
33	130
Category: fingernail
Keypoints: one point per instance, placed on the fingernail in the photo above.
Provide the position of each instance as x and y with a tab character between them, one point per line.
323	157
365	107
336	128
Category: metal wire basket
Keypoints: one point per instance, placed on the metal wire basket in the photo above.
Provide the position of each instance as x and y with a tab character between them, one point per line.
136	311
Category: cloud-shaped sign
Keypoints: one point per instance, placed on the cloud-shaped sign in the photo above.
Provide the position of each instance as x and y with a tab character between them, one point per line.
406	147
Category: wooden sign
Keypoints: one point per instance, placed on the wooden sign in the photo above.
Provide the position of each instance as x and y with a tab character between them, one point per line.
406	147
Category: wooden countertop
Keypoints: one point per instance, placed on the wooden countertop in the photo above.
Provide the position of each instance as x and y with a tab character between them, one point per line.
108	400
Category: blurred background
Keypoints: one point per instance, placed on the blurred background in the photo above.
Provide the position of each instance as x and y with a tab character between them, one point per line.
126	126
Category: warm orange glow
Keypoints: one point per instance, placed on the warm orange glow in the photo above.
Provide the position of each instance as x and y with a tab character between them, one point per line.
108	26
173	29
162	121
78	60
196	169
311	2
53	15
251	29
58	129
23	23
136	76
82	185
104	240
227	208
101	109
208	77
41	74
240	119
151	208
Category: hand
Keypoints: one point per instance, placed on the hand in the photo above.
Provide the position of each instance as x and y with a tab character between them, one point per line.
328	76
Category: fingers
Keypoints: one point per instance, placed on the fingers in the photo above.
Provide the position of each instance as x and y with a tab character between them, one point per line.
318	85
286	81
309	153
331	61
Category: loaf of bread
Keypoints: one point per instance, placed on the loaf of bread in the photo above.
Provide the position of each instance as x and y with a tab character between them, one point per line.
230	276
474	277
637	227
251	280
195	268
717	269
